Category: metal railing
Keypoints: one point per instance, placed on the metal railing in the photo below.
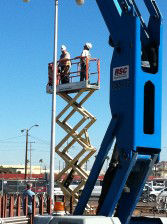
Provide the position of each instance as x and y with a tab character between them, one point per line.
92	68
12	209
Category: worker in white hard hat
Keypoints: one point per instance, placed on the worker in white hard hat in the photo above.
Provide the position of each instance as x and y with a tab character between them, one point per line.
64	65
85	54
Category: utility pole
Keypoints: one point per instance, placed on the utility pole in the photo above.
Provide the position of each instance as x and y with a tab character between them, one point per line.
31	159
26	153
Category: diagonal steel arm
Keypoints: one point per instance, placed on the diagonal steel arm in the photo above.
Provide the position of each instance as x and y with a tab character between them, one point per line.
152	8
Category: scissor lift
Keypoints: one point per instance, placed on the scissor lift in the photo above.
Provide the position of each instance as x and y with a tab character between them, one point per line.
75	94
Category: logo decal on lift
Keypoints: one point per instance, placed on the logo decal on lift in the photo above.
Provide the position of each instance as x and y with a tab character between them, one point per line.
120	73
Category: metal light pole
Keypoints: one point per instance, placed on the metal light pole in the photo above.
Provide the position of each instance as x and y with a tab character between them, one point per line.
26	153
53	119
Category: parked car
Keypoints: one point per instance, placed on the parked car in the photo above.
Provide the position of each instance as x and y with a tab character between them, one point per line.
150	194
97	189
159	182
74	184
57	190
154	193
161	200
163	193
95	193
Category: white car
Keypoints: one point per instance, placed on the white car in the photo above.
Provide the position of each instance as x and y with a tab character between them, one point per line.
154	193
57	190
162	200
95	193
97	189
163	193
74	184
150	194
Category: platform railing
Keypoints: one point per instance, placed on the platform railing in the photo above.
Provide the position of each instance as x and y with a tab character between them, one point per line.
92	69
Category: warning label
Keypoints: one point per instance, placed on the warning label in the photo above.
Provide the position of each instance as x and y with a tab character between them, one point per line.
120	73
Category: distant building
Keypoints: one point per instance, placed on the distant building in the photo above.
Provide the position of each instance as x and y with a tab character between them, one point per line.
19	169
160	169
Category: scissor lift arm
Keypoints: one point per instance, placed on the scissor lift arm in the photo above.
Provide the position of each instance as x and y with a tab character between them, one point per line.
136	104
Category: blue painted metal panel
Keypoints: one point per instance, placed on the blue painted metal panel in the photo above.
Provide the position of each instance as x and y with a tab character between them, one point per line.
107	9
141	139
152	8
127	95
117	186
122	90
135	183
135	99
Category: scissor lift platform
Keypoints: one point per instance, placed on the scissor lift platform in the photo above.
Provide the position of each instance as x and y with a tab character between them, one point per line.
74	87
91	82
75	120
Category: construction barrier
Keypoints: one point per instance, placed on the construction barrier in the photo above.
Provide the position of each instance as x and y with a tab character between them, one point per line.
12	211
59	208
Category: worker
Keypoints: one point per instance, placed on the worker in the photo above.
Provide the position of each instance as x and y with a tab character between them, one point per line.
28	192
64	65
85	54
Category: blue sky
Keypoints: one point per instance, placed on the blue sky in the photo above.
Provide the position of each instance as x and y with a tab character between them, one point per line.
26	48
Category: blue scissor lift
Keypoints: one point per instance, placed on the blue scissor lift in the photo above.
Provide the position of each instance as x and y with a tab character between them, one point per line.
136	105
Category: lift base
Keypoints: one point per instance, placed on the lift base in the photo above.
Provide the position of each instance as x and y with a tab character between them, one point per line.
148	220
76	220
95	220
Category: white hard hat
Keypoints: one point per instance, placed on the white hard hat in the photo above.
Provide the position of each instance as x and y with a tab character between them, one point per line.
63	48
88	45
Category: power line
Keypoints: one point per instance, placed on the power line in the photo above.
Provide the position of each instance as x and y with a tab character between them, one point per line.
41	150
10	138
41	140
10	142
